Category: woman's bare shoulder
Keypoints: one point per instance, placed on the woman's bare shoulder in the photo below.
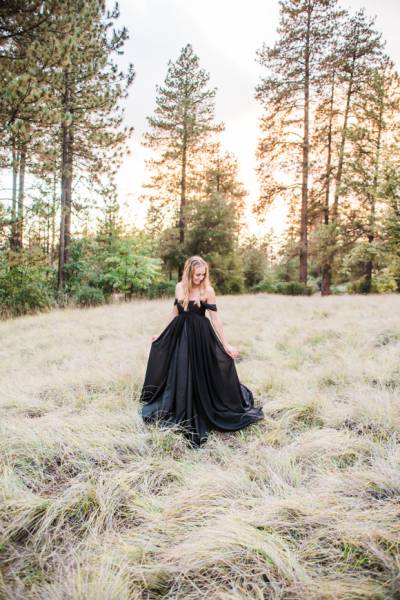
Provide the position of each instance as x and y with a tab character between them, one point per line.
178	288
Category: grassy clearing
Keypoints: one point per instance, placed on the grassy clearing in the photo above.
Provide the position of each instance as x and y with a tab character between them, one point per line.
95	506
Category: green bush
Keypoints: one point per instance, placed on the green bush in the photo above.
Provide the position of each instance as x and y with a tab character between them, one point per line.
161	288
89	296
266	285
24	288
384	282
293	288
114	265
289	288
226	273
254	262
83	266
340	288
359	286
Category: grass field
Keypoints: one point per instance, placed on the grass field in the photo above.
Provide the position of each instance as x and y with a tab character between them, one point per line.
306	504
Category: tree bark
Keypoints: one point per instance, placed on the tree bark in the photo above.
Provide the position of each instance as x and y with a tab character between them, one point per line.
327	269
339	173
66	188
305	164
182	205
14	225
329	153
371	233
21	198
326	280
53	222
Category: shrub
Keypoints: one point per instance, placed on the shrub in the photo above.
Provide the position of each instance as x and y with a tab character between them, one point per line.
293	288
254	262
24	288
268	284
384	282
340	288
115	265
161	288
226	272
290	288
89	296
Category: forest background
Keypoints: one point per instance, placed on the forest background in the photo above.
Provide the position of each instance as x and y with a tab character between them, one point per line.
328	151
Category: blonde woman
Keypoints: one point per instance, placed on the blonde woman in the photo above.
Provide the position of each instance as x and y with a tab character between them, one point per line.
191	379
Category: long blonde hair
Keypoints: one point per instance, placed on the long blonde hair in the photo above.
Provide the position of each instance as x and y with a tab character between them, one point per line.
188	269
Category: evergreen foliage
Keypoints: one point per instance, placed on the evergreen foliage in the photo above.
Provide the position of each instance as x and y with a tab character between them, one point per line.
60	107
329	146
330	100
181	132
25	284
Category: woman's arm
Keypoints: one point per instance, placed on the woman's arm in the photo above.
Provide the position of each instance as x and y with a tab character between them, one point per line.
174	313
217	324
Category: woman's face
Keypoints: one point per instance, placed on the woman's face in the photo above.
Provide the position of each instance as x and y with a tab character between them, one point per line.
198	275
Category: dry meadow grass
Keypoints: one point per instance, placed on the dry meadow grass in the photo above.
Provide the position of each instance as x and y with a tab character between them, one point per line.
304	505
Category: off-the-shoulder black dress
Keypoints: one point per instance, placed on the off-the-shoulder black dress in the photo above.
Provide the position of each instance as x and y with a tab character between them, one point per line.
191	381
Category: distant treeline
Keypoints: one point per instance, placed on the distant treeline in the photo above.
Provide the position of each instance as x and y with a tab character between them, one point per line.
329	146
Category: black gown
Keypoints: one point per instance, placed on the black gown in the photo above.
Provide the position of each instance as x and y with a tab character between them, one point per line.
192	382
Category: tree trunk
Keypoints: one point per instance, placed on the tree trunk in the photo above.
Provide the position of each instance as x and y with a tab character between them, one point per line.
66	189
53	222
329	154
21	197
305	164
371	234
368	273
182	206
183	197
339	173
14	225
326	280
218	182
327	269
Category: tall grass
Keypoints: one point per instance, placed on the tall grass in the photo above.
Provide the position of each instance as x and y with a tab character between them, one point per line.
305	504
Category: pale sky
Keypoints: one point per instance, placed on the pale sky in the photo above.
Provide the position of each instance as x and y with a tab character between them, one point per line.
225	34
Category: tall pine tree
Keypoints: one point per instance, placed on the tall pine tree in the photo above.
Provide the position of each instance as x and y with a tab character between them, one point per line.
287	95
181	133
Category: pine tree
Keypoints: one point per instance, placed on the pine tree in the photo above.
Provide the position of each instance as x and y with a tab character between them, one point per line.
110	225
376	112
181	131
362	50
356	51
390	190
325	142
88	88
220	175
214	235
217	185
287	96
61	103
28	107
22	19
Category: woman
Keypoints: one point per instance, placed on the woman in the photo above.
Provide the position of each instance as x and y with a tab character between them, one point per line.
191	378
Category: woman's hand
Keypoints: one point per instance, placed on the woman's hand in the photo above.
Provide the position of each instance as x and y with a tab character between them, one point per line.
153	337
233	353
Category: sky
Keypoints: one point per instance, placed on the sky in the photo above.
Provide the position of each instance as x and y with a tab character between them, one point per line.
225	34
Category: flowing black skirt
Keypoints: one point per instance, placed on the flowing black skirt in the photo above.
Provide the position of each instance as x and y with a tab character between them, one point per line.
192	382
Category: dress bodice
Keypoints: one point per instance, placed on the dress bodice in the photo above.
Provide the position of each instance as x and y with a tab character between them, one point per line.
194	308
